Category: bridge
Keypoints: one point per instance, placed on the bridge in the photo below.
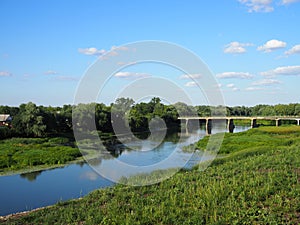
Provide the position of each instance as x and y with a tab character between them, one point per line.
229	120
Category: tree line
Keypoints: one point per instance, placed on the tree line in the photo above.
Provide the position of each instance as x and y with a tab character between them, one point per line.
30	120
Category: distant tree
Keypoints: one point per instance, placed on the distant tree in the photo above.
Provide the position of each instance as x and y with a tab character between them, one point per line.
120	111
184	109
297	110
83	117
103	118
267	111
170	115
203	110
122	105
64	119
29	121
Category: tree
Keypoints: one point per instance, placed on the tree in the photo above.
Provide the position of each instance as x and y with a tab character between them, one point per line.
103	118
184	109
297	110
29	121
84	116
64	119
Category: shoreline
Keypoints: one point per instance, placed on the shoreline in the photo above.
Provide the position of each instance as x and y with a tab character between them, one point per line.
23	213
90	155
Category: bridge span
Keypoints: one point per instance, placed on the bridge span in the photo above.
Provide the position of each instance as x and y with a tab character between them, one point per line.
229	120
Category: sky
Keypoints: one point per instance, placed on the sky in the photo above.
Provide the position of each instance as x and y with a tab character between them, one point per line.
252	47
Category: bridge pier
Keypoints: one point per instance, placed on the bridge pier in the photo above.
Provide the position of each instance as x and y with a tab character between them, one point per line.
278	122
186	123
208	126
253	123
187	126
212	121
230	125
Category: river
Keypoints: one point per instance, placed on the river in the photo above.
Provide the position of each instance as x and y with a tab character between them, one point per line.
38	189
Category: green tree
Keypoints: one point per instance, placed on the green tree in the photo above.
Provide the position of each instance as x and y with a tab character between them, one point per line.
29	121
84	116
297	110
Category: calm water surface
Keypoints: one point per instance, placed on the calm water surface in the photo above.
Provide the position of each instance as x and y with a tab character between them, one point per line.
32	190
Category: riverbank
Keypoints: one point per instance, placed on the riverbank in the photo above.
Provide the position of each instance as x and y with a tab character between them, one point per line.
25	155
257	181
88	156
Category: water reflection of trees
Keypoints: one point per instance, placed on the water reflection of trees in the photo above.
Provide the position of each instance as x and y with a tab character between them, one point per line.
31	176
113	146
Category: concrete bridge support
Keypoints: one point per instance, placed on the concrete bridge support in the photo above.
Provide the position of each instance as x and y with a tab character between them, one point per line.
253	123
187	126
278	122
186	123
298	122
230	125
208	126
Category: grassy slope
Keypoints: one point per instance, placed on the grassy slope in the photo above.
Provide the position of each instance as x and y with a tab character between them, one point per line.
257	182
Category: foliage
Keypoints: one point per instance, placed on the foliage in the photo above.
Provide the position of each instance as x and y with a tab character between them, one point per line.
20	153
263	136
30	120
251	185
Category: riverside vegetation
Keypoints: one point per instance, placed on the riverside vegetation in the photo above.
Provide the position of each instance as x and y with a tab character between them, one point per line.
19	154
41	137
256	181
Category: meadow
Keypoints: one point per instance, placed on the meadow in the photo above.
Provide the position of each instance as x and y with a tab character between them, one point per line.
256	181
29	153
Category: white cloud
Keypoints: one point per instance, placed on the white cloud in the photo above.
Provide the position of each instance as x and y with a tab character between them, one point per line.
91	51
286	2
232	87
5	74
94	51
50	72
285	71
236	47
190	76
258	5
266	82
264	5
254	89
191	84
272	45
65	78
131	75
126	63
119	48
241	75
293	50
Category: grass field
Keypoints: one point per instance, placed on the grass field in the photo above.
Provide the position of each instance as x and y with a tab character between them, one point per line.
257	181
26	153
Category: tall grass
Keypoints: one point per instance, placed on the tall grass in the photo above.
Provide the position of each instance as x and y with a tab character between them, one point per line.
257	182
20	153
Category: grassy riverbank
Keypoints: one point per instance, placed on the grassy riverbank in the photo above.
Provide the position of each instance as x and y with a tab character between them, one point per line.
23	155
27	153
256	182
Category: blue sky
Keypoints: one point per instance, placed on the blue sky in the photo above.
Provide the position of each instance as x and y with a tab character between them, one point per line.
251	46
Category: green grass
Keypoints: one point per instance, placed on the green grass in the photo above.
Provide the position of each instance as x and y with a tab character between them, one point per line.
256	182
264	136
24	153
